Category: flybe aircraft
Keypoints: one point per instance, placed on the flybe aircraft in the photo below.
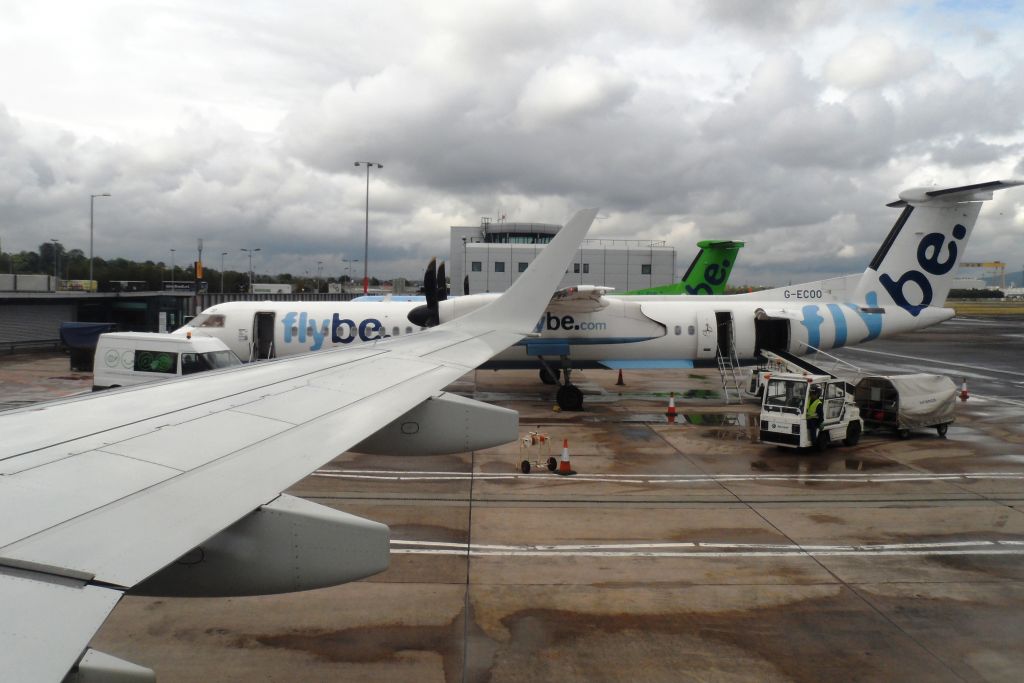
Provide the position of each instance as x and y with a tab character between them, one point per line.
902	289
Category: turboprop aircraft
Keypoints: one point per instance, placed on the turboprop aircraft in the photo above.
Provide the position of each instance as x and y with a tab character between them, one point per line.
174	488
264	330
902	289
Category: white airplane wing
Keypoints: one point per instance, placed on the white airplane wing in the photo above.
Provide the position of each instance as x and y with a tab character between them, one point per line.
99	493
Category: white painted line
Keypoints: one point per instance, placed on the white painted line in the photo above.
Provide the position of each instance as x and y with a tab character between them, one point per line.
693	550
838	477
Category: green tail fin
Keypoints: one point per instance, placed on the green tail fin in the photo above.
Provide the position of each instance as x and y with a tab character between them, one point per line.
709	272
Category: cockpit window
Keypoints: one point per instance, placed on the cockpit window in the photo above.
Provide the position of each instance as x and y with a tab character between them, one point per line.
208	320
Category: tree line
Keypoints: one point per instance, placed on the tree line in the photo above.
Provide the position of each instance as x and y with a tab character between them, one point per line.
73	264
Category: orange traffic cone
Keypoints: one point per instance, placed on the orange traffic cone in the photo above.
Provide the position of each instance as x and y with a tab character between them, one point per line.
620	383
564	468
671	412
963	391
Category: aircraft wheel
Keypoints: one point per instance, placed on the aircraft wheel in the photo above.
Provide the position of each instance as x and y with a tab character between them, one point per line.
852	434
821	443
552	464
903	433
570	397
549	376
524	467
941	429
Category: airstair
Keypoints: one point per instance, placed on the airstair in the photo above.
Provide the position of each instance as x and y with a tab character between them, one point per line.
729	370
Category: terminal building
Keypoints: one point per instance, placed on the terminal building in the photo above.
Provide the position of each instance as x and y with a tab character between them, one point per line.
490	256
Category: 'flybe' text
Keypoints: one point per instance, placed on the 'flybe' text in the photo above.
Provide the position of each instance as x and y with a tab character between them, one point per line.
714	275
341	330
929	252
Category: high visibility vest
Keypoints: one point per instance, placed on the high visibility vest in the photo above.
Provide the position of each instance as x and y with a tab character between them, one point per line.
812	408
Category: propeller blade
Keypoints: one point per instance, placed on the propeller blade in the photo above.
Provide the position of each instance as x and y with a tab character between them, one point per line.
442	283
426	315
430	284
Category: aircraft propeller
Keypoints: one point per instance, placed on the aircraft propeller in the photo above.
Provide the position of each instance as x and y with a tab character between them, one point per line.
426	315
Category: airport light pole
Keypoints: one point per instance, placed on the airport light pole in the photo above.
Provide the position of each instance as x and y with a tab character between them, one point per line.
348	268
250	252
222	255
319	269
172	269
56	265
92	201
366	240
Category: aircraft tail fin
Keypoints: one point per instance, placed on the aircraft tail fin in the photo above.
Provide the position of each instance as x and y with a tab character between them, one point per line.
708	272
915	266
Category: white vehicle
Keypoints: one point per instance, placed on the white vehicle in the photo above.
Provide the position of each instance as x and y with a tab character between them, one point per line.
271	288
902	289
124	359
174	489
784	412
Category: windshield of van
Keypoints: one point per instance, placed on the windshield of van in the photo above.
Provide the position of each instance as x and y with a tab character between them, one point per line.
785	395
212	360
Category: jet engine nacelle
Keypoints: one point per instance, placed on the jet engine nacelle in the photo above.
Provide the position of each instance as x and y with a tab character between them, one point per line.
288	545
445	423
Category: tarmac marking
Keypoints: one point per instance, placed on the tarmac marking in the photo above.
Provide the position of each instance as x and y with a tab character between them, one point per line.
706	550
851	477
932	360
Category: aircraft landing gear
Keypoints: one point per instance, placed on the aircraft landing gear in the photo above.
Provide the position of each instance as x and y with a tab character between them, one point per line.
569	396
549	375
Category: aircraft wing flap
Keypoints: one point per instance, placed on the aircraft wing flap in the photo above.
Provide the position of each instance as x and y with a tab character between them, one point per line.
47	621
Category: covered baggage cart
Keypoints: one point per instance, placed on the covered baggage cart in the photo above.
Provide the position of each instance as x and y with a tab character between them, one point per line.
906	402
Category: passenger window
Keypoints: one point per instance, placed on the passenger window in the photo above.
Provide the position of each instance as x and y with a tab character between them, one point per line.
394	331
408	330
691	330
156	361
679	330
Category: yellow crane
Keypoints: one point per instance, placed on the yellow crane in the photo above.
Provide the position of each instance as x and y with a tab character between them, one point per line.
998	268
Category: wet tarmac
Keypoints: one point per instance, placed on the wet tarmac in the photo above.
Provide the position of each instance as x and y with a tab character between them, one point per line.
678	552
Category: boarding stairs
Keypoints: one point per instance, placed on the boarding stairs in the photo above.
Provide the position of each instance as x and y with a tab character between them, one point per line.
729	370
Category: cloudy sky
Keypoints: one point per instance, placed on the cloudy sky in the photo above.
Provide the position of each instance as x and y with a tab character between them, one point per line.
785	124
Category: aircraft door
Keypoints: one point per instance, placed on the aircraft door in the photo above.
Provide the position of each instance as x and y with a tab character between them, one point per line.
263	336
707	334
723	320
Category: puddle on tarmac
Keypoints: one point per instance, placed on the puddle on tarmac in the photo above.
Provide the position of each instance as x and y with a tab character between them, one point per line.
696	419
1011	458
717	419
814	464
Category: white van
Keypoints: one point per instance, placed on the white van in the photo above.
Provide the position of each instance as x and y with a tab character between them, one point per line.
124	359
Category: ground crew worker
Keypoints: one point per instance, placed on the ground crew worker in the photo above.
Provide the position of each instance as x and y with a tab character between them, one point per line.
814	413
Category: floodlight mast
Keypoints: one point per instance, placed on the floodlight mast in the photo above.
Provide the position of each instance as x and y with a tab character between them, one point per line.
366	238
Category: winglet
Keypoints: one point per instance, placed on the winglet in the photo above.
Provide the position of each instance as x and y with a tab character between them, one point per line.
518	309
